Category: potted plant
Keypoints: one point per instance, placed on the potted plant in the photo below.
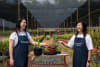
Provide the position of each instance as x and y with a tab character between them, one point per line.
37	49
51	50
40	38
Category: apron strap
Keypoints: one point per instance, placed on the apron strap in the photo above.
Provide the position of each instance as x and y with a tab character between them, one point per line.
26	35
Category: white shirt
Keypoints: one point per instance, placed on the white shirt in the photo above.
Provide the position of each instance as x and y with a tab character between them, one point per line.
88	39
14	36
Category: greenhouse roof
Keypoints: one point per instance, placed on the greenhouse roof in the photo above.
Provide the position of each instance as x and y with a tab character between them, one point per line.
49	13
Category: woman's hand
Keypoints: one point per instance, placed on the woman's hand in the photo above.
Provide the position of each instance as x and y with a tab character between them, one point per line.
60	42
42	44
88	64
11	61
63	43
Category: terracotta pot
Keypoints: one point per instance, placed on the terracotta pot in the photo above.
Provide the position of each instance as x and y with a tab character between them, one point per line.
51	50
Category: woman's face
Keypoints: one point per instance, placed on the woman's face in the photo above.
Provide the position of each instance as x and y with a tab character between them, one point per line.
79	27
23	24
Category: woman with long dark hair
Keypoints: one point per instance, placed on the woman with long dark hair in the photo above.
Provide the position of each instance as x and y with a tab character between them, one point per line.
82	45
18	44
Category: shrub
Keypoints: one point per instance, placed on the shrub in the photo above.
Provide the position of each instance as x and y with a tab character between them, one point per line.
47	37
4	46
96	39
65	36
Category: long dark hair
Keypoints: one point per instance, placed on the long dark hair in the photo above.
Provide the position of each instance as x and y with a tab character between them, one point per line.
84	25
18	24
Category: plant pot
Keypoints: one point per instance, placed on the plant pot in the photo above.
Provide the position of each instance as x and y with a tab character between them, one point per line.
37	51
51	50
58	52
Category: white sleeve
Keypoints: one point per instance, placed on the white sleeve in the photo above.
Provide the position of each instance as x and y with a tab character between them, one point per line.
89	42
12	36
71	42
29	36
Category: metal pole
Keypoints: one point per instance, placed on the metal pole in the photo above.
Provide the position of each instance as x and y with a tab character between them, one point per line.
77	14
71	22
72	25
18	8
37	28
27	18
99	25
64	28
3	25
89	17
67	23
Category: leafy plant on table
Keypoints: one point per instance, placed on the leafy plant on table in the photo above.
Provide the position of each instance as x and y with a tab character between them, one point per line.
37	49
40	38
37	45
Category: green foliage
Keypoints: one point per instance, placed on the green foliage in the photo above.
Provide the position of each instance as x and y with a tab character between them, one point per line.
96	39
37	45
65	36
47	37
40	38
58	48
4	46
45	49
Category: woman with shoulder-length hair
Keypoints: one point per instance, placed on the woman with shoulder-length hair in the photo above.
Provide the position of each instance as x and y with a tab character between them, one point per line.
82	45
18	44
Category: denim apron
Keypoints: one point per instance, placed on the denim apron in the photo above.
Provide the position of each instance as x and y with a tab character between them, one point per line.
20	52
80	52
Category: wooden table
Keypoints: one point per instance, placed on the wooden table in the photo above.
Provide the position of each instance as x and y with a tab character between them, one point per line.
58	60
